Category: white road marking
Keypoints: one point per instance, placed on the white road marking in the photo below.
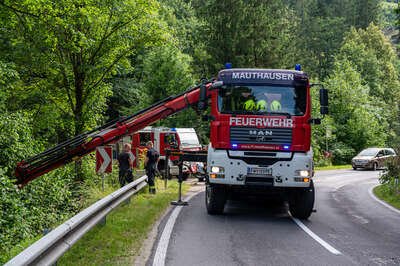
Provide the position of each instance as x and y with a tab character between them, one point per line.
315	237
162	246
371	193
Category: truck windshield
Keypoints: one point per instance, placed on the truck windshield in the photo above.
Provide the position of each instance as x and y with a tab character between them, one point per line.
189	139
261	100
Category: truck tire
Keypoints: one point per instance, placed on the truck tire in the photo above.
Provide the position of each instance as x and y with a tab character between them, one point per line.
301	202
215	199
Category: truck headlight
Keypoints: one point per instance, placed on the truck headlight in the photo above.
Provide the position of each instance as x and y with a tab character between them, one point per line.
217	169
303	173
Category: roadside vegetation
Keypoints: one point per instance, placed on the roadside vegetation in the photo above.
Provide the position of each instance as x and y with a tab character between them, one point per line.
388	193
389	190
333	167
68	66
118	241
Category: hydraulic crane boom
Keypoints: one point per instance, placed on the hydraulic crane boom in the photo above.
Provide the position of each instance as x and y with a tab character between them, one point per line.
87	142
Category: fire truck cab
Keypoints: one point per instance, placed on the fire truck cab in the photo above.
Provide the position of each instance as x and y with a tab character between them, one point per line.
260	139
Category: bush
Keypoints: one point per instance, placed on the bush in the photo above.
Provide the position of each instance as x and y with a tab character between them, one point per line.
392	174
342	154
43	203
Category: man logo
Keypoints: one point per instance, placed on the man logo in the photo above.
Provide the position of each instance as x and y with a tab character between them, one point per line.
259	133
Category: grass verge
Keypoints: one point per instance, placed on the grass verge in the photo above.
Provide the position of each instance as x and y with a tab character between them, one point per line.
333	167
119	240
386	193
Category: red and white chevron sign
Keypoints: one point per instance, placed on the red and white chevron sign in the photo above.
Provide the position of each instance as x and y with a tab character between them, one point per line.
104	159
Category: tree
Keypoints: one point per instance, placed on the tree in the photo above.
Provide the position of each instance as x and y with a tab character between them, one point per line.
375	59
66	50
356	119
189	32
248	33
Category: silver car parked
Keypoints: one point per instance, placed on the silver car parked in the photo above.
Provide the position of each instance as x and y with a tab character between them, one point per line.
372	158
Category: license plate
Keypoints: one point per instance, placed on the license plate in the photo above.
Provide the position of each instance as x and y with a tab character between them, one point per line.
259	170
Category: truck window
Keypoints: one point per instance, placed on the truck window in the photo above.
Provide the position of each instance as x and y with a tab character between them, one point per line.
144	138
170	139
262	99
188	138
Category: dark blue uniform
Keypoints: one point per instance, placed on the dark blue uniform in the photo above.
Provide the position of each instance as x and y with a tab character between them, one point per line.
151	165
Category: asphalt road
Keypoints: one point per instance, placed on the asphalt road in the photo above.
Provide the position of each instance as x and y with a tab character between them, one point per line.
349	228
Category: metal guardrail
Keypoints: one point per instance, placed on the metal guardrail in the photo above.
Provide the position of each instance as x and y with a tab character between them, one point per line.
53	245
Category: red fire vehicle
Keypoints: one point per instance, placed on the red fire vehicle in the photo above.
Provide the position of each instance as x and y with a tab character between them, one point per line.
163	138
260	132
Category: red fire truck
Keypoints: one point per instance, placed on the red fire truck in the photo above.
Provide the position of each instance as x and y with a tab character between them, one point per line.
163	138
260	136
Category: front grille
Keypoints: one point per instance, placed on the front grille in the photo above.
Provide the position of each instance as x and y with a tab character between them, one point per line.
246	135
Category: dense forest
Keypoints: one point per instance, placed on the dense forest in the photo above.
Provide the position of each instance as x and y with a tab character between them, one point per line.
68	66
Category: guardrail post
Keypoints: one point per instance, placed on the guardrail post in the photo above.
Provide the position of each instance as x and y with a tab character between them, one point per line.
166	168
179	202
103	221
46	231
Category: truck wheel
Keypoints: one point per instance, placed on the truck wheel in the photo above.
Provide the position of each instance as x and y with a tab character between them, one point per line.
302	202
215	199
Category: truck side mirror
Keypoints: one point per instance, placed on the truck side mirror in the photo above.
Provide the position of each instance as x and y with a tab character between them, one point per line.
217	84
323	100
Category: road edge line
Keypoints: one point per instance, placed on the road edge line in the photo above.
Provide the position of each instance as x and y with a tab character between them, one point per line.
315	237
371	193
162	245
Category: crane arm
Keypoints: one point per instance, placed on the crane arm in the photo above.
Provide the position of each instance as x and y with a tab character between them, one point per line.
111	132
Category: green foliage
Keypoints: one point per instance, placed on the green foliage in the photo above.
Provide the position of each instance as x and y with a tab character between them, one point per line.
63	63
385	193
322	27
364	89
16	142
388	17
357	123
189	33
73	47
127	97
390	180
24	214
166	71
372	55
341	153
392	172
118	242
248	33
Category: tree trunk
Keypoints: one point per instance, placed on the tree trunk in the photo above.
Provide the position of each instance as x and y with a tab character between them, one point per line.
79	76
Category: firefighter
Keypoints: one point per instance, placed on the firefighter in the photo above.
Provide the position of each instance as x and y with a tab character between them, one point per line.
247	100
125	162
275	106
152	158
271	103
261	105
